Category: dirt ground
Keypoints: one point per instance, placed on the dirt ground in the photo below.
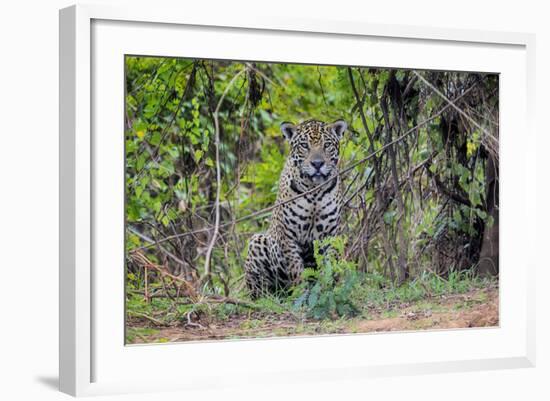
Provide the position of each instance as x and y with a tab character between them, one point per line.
478	308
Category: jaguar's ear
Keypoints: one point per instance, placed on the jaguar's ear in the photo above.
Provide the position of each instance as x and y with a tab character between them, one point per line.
339	127
288	130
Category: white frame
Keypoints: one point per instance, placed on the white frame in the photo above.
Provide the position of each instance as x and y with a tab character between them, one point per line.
76	206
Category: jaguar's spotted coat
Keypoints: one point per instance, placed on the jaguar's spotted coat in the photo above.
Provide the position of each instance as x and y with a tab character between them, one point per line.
277	258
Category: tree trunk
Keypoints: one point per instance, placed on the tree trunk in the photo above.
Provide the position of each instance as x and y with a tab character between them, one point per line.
488	257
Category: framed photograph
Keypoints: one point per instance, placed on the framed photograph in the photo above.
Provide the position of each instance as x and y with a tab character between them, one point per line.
294	200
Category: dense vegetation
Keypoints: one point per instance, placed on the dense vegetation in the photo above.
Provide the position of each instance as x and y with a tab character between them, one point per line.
203	157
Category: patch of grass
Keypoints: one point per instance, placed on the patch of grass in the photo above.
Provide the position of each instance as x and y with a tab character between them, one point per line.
421	324
331	326
375	291
132	333
251	324
159	308
461	306
481	297
389	314
224	311
376	296
428	305
272	304
470	303
352	326
371	295
283	331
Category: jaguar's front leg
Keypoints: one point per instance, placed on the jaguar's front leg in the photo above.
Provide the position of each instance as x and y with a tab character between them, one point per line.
295	263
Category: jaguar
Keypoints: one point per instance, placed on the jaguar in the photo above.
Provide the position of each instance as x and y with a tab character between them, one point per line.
308	206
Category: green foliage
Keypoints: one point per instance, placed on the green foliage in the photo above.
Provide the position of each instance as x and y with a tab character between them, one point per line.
170	160
263	176
326	292
377	291
430	222
133	333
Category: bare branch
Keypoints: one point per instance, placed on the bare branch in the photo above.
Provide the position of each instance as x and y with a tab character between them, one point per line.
454	106
208	256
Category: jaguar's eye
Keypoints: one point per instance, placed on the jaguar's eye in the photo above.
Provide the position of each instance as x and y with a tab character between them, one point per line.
304	146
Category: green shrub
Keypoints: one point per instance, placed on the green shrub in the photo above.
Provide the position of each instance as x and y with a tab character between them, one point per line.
325	292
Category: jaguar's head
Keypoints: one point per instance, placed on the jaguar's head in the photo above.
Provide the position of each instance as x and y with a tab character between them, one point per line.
314	148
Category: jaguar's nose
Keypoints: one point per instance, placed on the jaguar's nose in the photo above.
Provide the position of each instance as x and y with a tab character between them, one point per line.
318	163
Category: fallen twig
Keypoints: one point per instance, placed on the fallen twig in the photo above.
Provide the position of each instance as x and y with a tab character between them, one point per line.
144	316
143	261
